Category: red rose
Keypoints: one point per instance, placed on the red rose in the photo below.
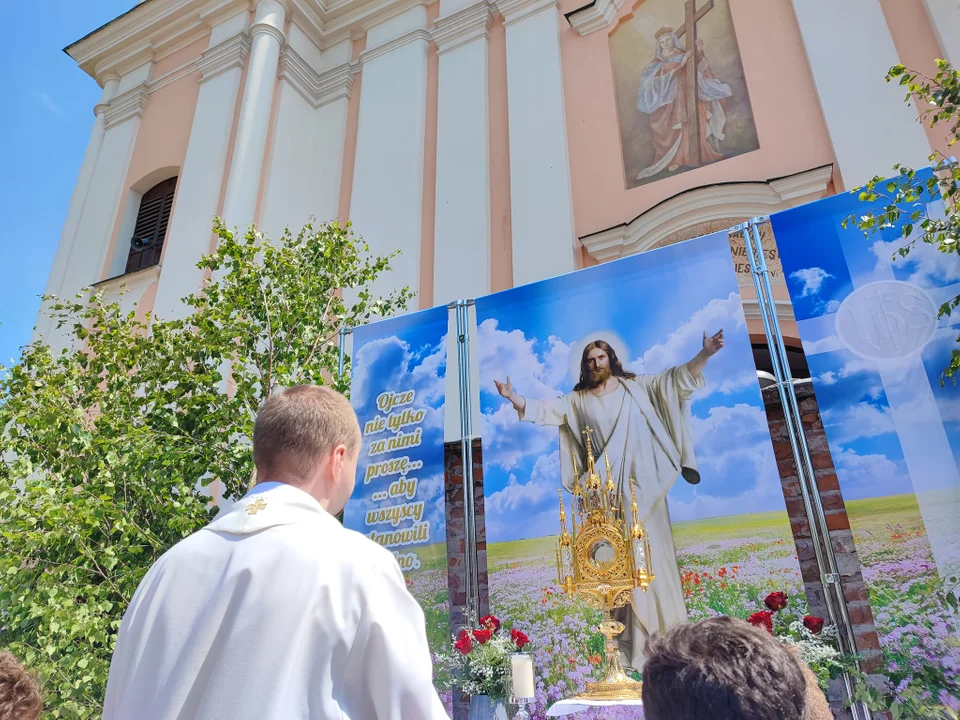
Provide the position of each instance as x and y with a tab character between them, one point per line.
463	644
776	601
490	622
519	639
763	619
481	636
813	624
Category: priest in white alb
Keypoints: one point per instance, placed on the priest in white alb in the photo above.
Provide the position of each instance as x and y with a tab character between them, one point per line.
642	424
275	611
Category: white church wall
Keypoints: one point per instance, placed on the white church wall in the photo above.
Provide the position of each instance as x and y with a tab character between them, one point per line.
387	196
201	179
462	230
540	194
870	126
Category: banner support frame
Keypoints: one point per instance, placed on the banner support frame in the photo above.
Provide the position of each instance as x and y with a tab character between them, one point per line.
806	474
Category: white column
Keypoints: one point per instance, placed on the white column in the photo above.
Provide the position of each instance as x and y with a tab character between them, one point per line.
84	265
540	194
386	202
201	178
77	201
303	178
945	18
462	230
870	126
243	183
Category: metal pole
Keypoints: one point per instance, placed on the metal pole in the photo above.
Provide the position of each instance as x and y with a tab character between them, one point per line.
819	533
466	453
343	342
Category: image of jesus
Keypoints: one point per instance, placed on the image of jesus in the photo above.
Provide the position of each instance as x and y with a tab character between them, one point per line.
642	424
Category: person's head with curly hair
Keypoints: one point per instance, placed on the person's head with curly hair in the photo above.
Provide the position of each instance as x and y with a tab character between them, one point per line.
19	691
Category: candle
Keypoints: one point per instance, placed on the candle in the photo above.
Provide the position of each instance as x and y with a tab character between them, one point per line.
521	671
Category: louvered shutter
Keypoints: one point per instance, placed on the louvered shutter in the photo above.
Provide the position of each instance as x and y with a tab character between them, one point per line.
151	226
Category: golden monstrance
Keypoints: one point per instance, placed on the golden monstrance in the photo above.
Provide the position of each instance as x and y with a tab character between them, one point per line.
603	559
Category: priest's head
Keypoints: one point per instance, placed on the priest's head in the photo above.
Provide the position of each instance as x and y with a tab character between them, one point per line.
598	364
723	669
308	436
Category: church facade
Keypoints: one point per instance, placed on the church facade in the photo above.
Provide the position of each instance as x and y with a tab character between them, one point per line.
493	143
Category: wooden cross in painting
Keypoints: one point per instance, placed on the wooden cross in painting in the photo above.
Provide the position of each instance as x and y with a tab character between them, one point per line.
689	28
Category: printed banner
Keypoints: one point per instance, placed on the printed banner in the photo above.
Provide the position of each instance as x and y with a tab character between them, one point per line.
868	322
397	390
630	349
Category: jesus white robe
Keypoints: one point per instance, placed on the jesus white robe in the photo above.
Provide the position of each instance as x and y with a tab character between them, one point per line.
273	612
644	429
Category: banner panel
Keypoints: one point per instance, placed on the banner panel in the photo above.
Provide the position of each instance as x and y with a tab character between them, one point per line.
689	429
868	322
399	368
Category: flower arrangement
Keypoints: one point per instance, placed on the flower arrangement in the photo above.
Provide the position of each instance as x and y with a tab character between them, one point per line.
478	662
815	643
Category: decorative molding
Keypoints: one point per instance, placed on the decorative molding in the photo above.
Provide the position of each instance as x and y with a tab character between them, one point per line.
231	53
727	200
172	76
127	105
149	31
598	15
336	83
318	90
388	47
267	29
133	281
462	27
751	309
514	11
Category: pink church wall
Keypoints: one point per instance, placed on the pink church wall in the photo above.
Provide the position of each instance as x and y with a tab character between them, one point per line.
790	126
164	132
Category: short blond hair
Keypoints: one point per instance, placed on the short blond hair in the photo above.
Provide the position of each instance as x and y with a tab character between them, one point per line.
19	691
295	429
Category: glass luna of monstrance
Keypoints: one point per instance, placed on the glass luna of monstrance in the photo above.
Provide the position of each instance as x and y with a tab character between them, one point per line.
604	557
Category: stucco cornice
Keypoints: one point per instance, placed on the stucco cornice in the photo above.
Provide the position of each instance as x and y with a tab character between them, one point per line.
727	200
127	105
156	28
387	47
150	31
516	10
317	89
598	15
462	27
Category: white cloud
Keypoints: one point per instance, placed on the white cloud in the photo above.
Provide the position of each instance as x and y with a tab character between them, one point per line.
687	340
737	468
863	420
927	263
812	279
869	475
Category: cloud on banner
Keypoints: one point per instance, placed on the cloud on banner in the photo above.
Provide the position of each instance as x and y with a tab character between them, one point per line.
655	307
407	353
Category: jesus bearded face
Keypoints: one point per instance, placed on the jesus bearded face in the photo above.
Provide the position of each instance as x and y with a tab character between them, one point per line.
598	364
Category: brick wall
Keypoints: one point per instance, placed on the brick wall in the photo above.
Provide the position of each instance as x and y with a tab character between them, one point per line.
456	541
838	524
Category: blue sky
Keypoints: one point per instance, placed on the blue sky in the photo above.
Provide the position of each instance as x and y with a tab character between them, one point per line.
658	304
402	354
872	407
44	129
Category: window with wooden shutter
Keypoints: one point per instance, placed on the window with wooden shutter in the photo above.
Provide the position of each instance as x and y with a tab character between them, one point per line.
151	227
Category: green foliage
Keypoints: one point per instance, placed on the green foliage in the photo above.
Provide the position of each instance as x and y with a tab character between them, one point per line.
108	448
898	203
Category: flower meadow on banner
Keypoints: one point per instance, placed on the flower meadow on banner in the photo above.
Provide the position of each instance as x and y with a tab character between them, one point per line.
867	318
